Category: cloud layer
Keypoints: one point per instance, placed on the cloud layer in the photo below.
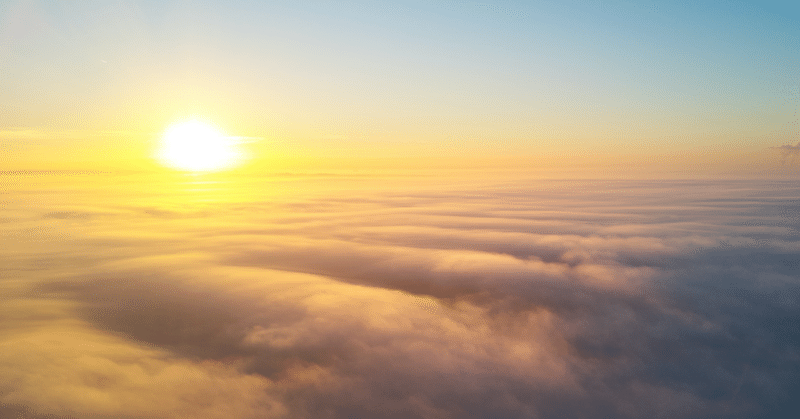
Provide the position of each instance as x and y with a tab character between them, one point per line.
318	297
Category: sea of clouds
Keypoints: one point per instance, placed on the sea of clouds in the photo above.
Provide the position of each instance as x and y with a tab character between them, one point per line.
128	296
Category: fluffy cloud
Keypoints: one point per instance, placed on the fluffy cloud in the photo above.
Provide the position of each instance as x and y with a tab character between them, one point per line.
397	298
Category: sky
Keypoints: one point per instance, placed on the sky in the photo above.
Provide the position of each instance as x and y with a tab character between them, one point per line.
564	84
385	210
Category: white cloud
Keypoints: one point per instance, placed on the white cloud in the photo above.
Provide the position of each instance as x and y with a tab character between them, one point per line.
630	300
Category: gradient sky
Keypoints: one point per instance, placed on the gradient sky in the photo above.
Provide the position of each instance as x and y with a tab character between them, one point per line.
92	81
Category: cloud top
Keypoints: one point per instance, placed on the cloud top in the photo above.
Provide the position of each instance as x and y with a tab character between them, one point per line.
353	297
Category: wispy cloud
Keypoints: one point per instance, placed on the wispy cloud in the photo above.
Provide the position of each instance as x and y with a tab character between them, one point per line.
789	152
33	133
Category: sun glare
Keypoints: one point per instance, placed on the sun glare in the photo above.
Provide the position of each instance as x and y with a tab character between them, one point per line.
197	146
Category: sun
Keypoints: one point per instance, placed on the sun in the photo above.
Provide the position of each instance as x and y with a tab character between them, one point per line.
197	146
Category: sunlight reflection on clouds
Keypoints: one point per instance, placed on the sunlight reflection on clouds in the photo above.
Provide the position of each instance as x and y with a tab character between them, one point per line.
350	297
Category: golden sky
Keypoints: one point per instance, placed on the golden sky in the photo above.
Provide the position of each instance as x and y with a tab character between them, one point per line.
95	84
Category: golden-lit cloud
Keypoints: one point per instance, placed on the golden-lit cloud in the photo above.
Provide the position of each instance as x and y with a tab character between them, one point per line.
331	299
